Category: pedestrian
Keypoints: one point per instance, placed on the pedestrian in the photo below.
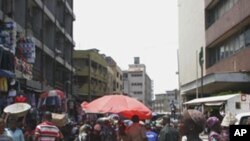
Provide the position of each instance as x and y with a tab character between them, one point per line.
3	136
13	131
84	133
229	119
95	134
168	132
151	135
193	124
136	132
47	130
121	135
213	124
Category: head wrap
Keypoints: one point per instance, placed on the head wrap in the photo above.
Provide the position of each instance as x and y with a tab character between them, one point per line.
212	121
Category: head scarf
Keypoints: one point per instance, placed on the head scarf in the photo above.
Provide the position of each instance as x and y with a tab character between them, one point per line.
212	121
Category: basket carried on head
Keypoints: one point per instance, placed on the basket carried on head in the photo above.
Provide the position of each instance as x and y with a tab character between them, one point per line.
17	109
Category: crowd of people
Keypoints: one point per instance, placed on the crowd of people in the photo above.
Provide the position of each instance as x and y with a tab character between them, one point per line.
189	127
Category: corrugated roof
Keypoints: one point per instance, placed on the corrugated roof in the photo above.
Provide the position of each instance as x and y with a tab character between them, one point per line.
211	99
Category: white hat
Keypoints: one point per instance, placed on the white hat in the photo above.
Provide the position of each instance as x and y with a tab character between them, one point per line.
228	120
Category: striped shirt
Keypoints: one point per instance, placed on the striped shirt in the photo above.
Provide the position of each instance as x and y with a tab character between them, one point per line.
47	131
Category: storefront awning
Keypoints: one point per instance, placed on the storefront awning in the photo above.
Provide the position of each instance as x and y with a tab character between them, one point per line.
7	73
210	100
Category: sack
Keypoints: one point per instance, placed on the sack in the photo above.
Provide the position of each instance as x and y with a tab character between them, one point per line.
59	119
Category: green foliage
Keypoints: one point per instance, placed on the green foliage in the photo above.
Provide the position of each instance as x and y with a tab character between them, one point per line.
226	93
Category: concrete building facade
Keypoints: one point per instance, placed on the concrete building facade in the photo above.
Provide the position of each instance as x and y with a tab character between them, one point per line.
44	28
162	102
137	83
117	75
91	77
191	39
226	48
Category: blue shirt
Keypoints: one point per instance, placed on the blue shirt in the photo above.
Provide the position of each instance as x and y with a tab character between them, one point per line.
151	136
17	135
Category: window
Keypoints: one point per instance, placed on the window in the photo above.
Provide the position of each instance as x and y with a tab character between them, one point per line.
219	10
237	105
137	92
229	47
247	37
136	84
136	75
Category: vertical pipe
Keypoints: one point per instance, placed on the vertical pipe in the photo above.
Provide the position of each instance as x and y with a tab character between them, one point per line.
89	77
196	60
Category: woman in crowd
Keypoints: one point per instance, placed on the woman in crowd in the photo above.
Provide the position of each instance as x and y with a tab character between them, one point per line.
193	125
213	124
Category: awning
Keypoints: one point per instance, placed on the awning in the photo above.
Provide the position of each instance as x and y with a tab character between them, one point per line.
212	99
7	73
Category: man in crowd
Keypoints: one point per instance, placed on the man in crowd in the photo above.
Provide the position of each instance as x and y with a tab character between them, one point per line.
168	132
47	131
136	132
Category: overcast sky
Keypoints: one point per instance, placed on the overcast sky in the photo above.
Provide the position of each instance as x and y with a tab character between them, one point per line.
124	29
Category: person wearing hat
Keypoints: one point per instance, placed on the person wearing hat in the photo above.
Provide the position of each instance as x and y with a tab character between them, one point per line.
47	130
193	124
229	119
213	123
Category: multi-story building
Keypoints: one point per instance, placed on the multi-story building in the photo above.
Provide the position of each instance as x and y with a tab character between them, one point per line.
227	36
191	39
137	83
117	75
90	80
163	102
159	104
43	44
227	45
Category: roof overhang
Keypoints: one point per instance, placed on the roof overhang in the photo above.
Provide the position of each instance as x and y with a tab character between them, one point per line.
211	101
218	82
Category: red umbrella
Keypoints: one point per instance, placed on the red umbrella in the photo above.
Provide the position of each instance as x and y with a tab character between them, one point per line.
50	93
119	104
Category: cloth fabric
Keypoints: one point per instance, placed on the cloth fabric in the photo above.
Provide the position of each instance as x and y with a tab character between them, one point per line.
168	133
3	84
21	99
212	121
17	135
136	132
5	138
228	120
151	136
47	131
